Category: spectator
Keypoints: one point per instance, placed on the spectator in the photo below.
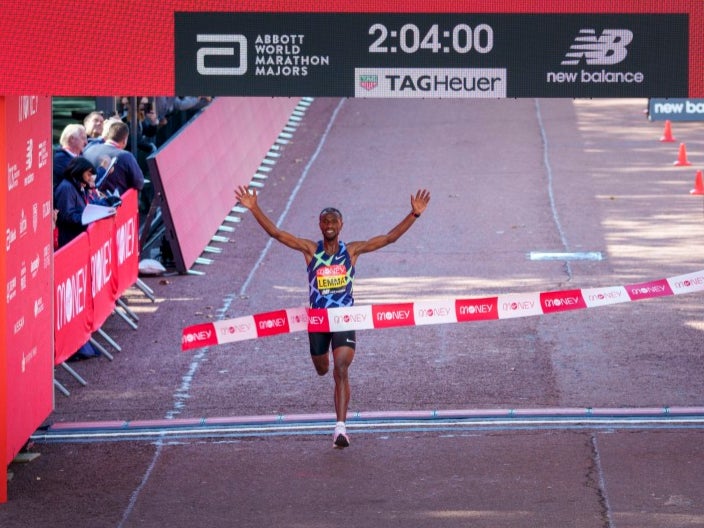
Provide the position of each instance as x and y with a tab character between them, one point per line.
103	163
108	122
72	142
148	126
71	196
123	108
124	172
93	123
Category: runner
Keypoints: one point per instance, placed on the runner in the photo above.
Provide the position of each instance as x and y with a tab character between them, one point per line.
331	271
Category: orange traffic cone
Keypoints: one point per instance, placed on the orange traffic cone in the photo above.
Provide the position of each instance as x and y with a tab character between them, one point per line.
698	184
667	132
682	157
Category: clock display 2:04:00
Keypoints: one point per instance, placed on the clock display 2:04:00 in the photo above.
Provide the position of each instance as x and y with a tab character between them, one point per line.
462	38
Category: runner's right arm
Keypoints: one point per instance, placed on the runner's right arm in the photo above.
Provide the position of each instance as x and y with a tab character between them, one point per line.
248	200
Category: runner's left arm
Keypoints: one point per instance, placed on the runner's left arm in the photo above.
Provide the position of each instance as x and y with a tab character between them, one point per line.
419	203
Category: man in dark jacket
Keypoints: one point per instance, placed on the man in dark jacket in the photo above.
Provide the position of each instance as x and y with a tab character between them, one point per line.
73	140
123	171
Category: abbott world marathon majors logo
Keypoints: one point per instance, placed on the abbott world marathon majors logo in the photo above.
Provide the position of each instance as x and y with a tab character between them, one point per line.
590	55
430	82
275	55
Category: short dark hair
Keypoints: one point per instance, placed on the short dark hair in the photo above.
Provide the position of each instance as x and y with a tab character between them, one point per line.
91	114
76	167
330	210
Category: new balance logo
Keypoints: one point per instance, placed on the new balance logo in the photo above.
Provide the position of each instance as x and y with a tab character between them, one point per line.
607	48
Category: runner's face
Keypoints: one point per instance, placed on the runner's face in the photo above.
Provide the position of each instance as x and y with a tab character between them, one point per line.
330	225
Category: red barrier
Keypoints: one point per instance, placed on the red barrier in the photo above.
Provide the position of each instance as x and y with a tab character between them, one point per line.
90	273
127	241
103	269
73	302
197	171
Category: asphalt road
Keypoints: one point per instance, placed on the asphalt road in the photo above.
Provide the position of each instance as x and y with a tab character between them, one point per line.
524	449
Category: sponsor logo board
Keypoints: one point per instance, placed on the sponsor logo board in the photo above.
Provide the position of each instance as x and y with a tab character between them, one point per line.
446	83
424	55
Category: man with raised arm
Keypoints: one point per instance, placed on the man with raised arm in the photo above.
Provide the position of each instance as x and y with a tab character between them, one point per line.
331	264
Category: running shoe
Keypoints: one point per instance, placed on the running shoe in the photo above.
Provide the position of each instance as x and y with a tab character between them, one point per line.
340	439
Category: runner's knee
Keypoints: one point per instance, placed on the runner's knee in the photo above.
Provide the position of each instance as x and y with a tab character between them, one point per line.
321	364
341	369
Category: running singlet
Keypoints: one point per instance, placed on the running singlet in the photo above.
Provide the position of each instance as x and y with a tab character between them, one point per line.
330	278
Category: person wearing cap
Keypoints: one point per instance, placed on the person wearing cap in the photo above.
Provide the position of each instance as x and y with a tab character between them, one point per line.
331	270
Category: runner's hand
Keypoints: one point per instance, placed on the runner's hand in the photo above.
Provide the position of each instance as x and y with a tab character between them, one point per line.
420	201
245	198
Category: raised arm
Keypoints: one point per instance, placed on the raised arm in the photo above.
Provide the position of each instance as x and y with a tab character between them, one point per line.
249	200
419	202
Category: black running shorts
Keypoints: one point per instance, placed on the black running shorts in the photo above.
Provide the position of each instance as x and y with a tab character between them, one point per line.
320	341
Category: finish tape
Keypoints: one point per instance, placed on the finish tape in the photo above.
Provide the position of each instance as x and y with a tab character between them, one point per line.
418	313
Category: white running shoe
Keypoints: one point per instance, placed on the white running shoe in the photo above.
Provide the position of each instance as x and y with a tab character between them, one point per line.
340	440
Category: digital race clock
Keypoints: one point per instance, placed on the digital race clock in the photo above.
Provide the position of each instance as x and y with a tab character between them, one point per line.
409	38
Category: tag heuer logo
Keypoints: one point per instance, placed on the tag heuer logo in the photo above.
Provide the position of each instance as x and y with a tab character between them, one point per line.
368	82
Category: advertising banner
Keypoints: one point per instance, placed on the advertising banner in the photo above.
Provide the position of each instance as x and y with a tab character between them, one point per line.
103	270
442	311
532	48
445	55
3	314
73	302
676	109
28	247
127	241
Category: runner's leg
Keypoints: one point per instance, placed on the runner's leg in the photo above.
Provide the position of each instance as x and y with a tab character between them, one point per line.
321	364
320	351
342	358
